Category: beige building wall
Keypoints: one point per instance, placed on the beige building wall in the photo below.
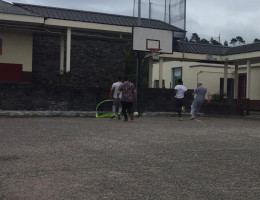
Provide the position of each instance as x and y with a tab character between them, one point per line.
193	72
255	81
17	48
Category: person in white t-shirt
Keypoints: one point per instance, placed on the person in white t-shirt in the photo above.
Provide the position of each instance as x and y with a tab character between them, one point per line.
117	106
180	91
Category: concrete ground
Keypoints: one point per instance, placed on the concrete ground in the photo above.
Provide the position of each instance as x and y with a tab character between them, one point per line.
149	158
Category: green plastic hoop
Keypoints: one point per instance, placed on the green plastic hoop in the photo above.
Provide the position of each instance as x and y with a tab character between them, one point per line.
105	115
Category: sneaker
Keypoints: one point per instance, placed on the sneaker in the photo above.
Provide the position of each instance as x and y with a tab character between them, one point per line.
113	116
118	116
132	117
180	119
191	118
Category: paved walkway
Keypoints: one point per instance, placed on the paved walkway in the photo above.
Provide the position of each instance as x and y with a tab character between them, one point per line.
3	113
157	158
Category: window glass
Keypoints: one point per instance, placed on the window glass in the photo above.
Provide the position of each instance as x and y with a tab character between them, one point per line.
176	74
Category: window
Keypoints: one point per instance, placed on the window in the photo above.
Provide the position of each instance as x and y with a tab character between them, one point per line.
156	84
176	74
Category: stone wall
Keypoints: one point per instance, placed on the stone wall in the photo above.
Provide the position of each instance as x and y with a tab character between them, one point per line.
32	97
46	59
95	62
36	97
161	100
25	96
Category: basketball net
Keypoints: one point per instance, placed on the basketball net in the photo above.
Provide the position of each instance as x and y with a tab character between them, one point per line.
155	52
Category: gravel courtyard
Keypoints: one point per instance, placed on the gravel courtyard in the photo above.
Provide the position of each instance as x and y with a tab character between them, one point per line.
148	158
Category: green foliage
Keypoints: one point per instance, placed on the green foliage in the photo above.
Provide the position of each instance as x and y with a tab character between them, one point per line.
218	97
226	44
195	38
233	41
214	42
240	40
204	41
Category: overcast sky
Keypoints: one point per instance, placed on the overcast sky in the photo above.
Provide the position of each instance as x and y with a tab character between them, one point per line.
208	18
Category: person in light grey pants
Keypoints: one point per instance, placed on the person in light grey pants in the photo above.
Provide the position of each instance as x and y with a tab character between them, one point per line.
200	92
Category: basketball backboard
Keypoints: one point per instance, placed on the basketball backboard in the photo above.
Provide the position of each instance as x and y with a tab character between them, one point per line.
145	39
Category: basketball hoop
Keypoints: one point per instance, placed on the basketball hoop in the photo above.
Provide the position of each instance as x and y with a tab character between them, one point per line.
155	52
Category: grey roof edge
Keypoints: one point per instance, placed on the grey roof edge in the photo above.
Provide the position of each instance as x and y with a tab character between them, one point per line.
21	11
100	13
246	48
222	50
197	48
199	44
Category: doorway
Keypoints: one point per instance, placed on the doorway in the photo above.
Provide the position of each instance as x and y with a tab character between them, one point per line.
230	88
241	86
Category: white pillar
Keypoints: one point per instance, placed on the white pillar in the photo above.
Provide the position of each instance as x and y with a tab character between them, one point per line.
150	73
68	49
62	50
160	72
248	79
225	77
236	82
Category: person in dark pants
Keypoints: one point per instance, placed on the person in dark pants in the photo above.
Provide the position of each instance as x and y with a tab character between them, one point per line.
180	91
128	96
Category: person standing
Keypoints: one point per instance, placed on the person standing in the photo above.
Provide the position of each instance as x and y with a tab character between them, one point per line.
117	106
127	89
180	91
200	92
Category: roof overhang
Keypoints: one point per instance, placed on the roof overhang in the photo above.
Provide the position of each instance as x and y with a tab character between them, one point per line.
242	58
89	26
21	18
236	59
191	57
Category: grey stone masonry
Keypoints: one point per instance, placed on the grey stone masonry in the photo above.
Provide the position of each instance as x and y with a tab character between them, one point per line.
95	62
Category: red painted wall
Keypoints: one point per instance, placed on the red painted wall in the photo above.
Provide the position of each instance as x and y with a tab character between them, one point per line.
11	72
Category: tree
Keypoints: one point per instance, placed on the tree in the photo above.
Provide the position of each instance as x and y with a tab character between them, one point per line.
233	41
240	40
204	41
256	40
226	44
214	42
186	39
195	38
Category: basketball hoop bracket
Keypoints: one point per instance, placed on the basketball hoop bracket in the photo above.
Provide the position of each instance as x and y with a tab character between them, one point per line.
155	52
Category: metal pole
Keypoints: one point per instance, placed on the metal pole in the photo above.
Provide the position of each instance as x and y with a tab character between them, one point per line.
165	11
134	9
139	12
138	78
150	5
185	16
169	13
